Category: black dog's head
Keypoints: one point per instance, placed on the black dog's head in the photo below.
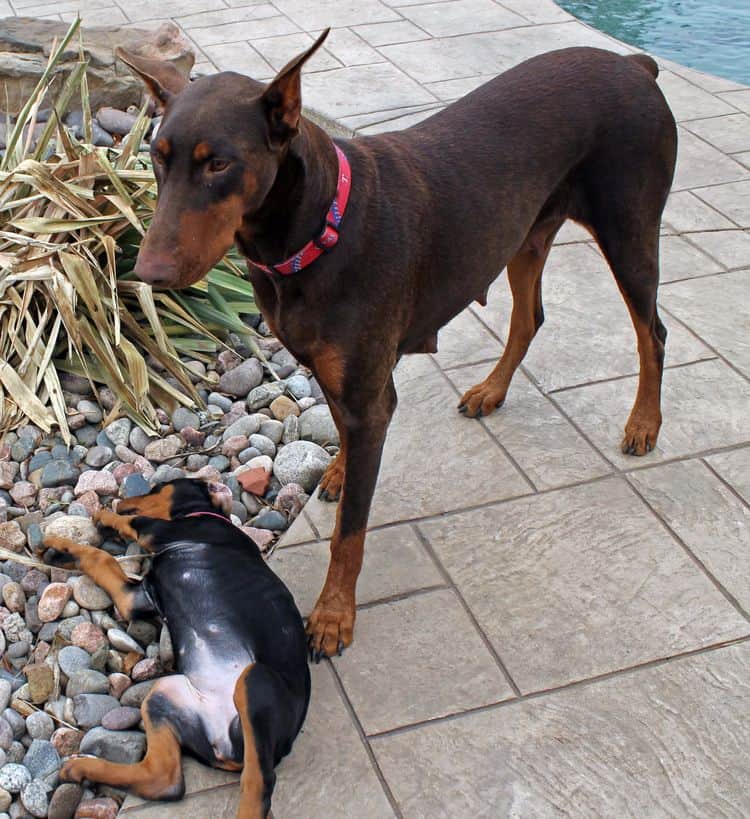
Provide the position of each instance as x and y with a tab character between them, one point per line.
216	156
176	499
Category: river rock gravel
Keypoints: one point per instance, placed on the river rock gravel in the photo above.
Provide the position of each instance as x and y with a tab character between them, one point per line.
74	673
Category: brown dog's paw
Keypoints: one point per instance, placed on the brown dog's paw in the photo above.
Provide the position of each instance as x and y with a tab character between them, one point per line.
330	629
482	399
333	480
640	437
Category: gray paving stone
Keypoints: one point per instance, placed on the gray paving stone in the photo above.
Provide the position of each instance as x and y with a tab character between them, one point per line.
739	99
708	82
681	260
540	439
142	10
686	212
700	164
718	311
109	16
241	31
587	334
397	31
709	518
462	17
450	90
689	102
730	247
579	582
538	11
220	803
732	199
465	340
299	532
730	134
198	777
347	91
743	158
571	232
398	123
328	773
432	456
277	51
205	19
418	659
489	52
395	563
335	13
704	406
358	121
666	741
350	49
734	467
240	57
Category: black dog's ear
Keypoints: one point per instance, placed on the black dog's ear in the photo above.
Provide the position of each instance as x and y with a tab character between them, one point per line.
162	79
283	97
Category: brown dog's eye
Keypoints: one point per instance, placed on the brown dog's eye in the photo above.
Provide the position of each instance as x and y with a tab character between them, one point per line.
218	165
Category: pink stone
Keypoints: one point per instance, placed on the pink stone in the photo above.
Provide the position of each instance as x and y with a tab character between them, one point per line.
12	536
90	502
146	669
262	537
88	636
8	472
122	471
101	808
234	445
66	741
23	493
193	437
208	473
254	481
118	684
226	360
103	483
53	601
50	496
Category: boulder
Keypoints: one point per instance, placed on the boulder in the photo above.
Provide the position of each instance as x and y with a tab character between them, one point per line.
26	42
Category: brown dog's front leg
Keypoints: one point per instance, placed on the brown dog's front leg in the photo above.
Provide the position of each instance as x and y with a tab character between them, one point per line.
330	627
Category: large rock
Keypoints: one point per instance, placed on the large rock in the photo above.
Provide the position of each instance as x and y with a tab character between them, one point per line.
26	42
301	462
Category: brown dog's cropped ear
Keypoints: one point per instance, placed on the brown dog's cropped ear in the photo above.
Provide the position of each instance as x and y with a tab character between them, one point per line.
283	97
162	79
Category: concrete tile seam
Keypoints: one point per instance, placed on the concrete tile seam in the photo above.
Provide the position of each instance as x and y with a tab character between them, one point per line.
424	540
550	692
364	740
730	598
718	355
725	482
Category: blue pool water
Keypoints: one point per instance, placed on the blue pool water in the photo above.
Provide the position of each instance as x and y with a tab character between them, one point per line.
710	35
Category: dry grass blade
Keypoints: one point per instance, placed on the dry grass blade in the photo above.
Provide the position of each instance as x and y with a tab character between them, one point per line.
71	220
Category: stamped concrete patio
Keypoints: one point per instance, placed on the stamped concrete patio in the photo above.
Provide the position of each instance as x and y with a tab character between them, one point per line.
546	627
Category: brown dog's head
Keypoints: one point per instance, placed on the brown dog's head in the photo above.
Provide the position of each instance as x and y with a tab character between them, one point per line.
179	498
216	156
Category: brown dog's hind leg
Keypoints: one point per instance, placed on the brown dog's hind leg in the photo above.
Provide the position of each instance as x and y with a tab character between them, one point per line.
636	268
525	279
159	774
256	784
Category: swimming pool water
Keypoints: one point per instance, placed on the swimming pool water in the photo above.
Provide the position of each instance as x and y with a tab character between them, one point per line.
710	35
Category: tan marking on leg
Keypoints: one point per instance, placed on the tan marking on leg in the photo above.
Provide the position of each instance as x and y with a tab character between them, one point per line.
252	786
101	567
524	276
157	776
642	428
329	367
154	505
331	624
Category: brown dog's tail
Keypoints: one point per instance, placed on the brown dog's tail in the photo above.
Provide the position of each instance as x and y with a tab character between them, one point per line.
644	61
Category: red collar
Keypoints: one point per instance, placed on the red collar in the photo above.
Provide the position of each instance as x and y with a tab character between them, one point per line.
328	237
208	515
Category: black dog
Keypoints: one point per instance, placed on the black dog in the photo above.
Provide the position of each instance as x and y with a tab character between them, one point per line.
243	684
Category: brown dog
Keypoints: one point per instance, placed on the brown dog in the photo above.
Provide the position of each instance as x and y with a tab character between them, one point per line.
433	215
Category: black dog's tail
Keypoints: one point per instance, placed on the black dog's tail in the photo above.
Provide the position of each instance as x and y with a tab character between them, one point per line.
644	61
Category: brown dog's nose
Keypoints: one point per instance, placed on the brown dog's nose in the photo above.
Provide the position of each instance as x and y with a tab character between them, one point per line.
156	269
